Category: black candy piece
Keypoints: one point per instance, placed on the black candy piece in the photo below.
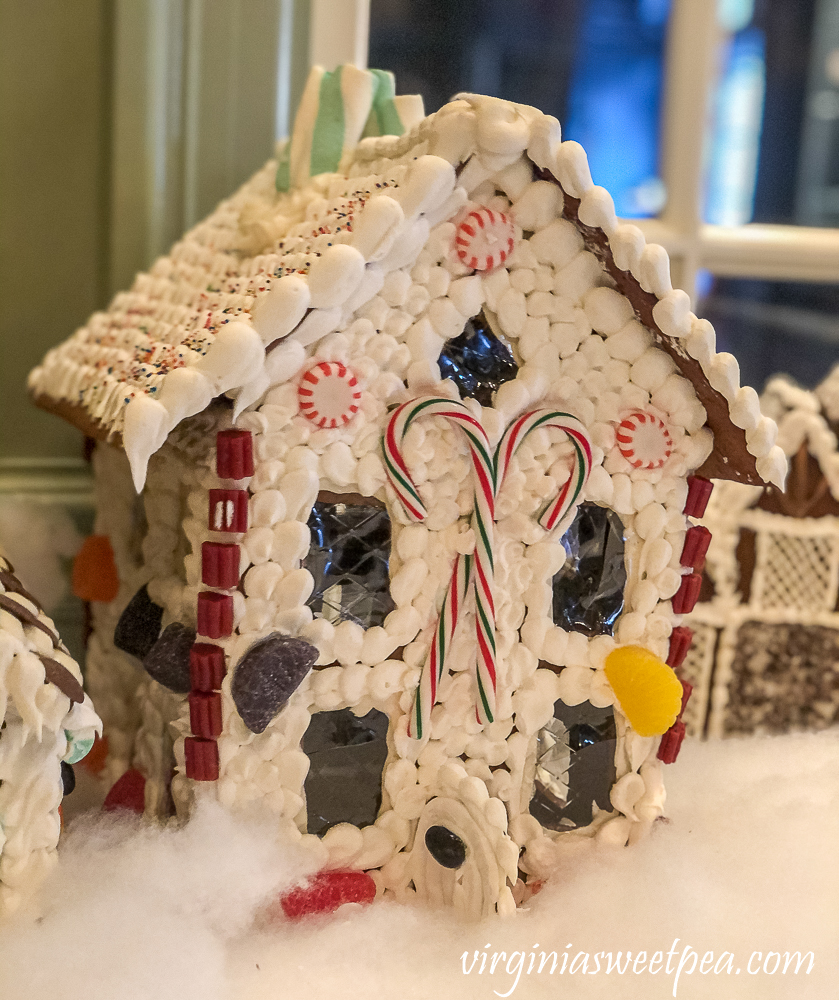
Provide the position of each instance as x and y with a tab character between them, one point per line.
139	625
588	590
68	777
445	847
268	675
168	659
477	361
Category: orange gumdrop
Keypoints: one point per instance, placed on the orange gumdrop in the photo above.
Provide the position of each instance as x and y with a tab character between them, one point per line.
95	576
95	759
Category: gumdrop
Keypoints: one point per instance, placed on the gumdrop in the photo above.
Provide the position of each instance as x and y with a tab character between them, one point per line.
167	661
649	692
267	676
127	792
326	892
94	762
139	625
95	576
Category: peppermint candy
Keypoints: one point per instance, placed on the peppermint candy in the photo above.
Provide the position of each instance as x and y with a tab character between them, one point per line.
484	239
644	440
329	394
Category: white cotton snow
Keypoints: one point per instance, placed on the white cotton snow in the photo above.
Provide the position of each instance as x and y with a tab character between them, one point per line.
746	864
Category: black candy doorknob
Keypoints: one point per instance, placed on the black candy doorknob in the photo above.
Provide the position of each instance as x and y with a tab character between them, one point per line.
445	847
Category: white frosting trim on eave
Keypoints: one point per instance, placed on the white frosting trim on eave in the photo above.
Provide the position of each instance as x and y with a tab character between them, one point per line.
391	231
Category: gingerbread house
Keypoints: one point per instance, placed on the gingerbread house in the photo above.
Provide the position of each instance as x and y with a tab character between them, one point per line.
47	724
418	428
765	655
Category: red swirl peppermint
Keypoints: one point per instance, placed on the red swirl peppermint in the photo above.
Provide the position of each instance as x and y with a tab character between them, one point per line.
329	394
484	239
644	440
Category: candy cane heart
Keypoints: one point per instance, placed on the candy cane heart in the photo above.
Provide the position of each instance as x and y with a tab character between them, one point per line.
477	571
577	435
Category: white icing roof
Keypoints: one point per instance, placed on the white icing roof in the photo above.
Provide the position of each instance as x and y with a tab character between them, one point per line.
264	267
803	417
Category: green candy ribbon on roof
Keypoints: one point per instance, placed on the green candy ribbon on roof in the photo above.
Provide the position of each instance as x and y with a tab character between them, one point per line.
338	109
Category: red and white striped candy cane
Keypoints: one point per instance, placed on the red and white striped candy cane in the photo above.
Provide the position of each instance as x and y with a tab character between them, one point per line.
477	570
578	436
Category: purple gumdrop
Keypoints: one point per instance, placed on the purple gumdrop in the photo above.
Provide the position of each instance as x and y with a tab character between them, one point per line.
167	661
268	675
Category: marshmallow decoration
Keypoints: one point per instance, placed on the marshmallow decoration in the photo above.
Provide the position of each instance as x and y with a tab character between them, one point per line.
644	441
329	394
434	542
484	239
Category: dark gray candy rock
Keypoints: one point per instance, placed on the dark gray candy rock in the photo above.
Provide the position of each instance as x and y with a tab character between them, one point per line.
139	625
268	675
167	661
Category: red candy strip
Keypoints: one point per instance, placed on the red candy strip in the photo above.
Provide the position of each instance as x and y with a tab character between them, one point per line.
671	743
685	598
699	492
228	510
681	639
327	891
219	565
234	454
206	666
697	540
205	714
202	763
215	614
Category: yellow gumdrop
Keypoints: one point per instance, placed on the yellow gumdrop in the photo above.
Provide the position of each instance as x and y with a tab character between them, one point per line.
649	692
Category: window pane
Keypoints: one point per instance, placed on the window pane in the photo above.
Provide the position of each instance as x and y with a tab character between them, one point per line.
773	142
594	64
775	326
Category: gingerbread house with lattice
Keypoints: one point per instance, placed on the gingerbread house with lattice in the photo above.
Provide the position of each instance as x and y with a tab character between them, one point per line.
47	724
765	654
396	454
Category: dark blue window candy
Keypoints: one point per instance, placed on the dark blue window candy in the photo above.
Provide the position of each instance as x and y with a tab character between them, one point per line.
575	766
346	758
268	674
348	558
478	361
588	590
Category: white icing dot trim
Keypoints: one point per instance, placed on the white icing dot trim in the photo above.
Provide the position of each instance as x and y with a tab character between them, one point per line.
484	239
329	394
644	440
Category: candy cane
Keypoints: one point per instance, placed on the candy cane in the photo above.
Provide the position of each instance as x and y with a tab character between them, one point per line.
478	570
578	436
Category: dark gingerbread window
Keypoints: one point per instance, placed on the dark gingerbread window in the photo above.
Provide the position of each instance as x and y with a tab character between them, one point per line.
478	361
347	755
588	590
575	766
348	558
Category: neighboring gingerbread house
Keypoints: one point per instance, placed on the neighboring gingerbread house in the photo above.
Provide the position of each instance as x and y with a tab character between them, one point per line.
765	654
47	724
416	441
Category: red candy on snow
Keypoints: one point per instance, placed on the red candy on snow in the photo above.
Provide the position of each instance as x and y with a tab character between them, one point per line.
485	239
127	792
329	394
644	441
327	891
